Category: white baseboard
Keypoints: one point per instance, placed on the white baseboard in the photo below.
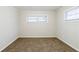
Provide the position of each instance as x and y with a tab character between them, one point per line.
25	37
8	44
37	37
68	44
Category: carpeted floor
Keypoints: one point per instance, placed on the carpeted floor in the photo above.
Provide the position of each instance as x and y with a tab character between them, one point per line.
38	45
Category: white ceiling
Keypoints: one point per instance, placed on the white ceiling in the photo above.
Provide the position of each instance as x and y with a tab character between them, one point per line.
38	8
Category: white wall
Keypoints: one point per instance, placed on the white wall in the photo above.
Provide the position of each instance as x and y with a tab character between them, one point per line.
67	31
8	26
35	29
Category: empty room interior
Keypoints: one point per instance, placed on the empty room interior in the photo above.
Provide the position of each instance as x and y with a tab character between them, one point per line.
39	28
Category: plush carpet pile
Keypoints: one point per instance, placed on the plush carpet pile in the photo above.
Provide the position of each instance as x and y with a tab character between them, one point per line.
38	45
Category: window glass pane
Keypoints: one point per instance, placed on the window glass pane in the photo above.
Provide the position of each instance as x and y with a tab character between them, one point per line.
72	14
37	19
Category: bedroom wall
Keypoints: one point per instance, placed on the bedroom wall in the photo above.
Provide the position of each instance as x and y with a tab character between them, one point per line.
67	31
37	29
8	26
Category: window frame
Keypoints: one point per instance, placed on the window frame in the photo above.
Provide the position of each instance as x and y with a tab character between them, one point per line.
38	19
67	11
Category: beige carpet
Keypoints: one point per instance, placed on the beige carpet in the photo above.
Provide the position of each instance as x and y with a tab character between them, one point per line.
38	45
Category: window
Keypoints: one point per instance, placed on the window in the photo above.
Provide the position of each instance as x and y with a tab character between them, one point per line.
38	19
72	14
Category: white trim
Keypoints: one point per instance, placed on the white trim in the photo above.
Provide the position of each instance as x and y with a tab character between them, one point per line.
37	37
68	44
8	44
